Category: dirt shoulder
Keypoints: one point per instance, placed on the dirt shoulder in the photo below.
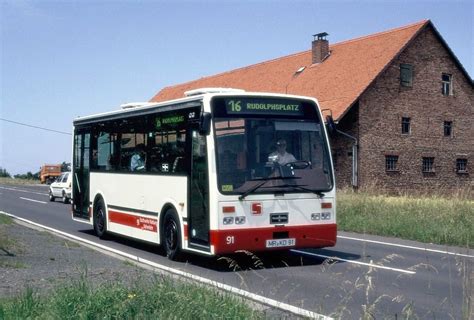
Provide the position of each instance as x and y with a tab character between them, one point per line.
42	261
32	258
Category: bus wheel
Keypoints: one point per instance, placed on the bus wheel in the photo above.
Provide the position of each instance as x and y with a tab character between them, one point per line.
100	226
171	235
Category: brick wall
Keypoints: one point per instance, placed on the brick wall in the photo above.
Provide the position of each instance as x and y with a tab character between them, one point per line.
383	105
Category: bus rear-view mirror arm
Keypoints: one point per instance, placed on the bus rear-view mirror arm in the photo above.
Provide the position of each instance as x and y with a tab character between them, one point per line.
205	124
331	125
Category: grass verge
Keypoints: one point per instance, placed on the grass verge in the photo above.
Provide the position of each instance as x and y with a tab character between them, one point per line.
159	299
448	221
5	242
4	219
11	181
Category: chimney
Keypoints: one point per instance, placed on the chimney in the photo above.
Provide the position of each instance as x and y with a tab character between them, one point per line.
320	47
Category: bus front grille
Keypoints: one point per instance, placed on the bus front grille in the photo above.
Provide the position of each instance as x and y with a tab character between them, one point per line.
279	218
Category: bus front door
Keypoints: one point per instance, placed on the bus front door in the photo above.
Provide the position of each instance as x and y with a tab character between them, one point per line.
198	222
80	180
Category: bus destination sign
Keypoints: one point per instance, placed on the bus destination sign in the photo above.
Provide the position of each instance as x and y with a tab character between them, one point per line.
177	118
264	106
168	120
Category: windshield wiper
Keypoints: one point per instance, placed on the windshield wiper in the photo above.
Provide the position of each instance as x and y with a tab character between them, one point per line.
264	180
319	193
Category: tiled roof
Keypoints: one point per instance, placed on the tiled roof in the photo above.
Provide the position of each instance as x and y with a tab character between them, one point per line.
337	82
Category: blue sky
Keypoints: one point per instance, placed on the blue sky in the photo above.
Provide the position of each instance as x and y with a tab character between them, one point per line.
63	59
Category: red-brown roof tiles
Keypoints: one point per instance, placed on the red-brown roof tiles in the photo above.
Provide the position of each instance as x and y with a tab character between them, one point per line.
337	82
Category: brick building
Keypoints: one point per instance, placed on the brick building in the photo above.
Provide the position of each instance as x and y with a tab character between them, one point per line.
402	94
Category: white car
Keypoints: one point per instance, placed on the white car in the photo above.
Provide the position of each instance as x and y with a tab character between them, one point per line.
61	188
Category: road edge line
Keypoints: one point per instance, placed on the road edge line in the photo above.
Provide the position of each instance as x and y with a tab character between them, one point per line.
370	265
407	246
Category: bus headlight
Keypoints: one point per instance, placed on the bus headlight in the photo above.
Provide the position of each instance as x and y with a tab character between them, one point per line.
228	220
326	215
239	220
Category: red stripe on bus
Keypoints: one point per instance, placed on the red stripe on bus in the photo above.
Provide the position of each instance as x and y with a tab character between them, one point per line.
255	239
129	220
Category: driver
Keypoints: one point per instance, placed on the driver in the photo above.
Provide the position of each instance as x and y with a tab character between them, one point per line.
280	155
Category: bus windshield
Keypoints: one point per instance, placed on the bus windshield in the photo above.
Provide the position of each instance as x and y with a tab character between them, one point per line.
275	152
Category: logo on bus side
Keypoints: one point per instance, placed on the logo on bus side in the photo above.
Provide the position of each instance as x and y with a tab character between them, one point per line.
146	224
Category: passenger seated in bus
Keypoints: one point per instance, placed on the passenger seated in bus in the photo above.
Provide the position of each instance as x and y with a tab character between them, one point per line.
137	161
280	155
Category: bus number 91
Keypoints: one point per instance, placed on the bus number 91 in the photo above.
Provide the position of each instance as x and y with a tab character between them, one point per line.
230	240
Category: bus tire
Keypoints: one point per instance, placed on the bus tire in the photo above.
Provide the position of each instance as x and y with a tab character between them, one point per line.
171	235
100	221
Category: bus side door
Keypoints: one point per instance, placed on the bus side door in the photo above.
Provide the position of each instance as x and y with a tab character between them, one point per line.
81	168
198	224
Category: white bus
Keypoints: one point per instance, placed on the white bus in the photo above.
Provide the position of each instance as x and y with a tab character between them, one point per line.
212	173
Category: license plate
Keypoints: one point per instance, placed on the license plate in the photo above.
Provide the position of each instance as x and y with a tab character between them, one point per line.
277	243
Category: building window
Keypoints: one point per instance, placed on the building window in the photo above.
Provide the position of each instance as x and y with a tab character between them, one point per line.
461	165
391	163
405	125
428	164
447	84
406	75
448	128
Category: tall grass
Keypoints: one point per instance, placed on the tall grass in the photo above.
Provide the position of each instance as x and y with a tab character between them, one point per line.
159	298
11	181
430	219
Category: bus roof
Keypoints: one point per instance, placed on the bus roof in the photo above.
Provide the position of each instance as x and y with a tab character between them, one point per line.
195	98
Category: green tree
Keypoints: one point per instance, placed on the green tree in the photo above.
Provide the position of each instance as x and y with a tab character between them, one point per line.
4	173
65	166
28	176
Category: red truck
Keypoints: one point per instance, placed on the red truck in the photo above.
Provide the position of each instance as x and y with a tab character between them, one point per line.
49	173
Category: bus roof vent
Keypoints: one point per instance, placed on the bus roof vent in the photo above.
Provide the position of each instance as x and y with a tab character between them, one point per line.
131	105
199	91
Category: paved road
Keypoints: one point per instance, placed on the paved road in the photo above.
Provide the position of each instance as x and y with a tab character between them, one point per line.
384	276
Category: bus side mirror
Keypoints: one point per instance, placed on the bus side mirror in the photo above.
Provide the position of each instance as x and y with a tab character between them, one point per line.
205	125
330	125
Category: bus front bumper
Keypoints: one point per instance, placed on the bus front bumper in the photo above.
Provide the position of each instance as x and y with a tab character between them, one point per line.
274	238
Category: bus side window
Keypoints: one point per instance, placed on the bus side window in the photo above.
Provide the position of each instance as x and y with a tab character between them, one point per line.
105	151
178	152
113	162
